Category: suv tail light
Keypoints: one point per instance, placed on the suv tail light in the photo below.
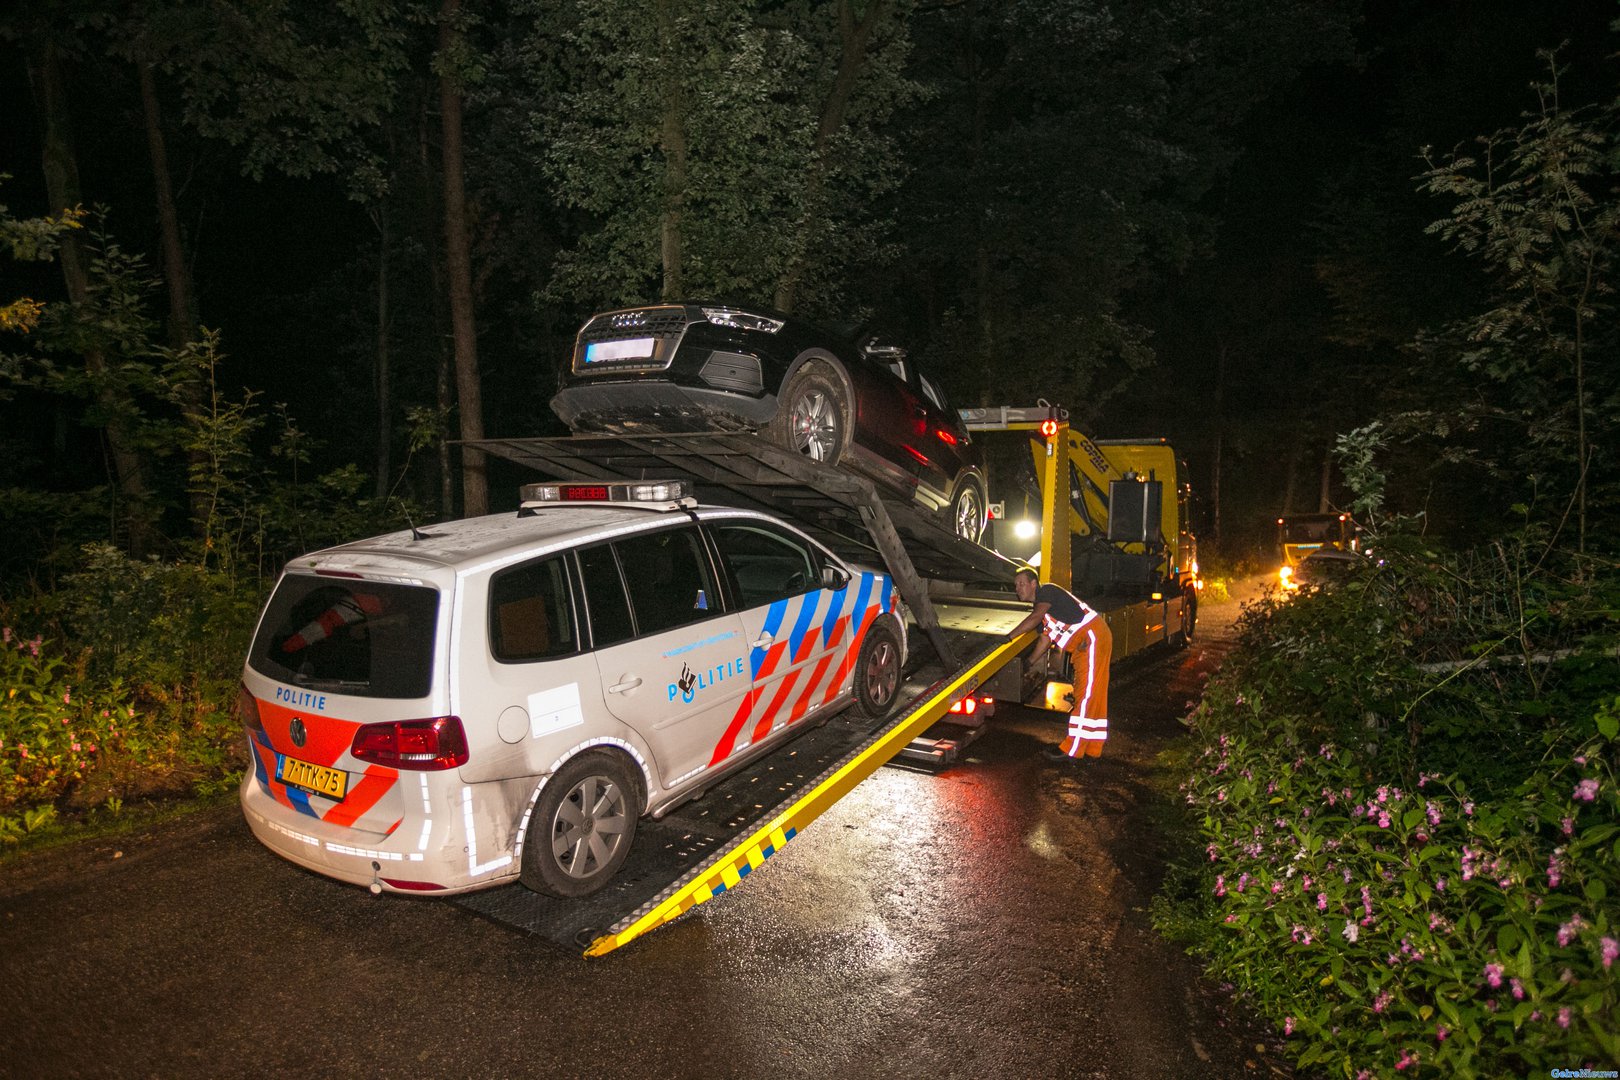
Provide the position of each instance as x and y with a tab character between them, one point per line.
419	745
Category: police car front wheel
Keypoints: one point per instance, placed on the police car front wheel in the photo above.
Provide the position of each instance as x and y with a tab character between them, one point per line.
582	827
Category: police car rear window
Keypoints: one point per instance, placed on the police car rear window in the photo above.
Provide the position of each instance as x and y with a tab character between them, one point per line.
367	638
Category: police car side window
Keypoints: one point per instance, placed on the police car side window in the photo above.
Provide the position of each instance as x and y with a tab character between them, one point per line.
766	564
605	601
530	614
669	579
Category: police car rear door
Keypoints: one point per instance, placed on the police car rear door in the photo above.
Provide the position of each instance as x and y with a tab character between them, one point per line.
673	665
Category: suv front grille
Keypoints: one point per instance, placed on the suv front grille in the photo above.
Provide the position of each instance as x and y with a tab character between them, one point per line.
639	339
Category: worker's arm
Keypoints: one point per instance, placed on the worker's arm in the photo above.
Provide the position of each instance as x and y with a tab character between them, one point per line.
1030	621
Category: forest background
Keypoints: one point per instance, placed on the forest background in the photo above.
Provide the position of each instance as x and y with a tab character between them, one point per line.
260	265
1203	221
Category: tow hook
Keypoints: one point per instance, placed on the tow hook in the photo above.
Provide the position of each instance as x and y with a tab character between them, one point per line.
376	883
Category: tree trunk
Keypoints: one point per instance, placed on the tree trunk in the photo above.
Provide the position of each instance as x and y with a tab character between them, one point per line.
1324	497
181	323
458	267
673	142
1220	431
62	188
444	399
853	36
385	402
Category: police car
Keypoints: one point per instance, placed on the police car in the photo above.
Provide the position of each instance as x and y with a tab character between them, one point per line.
503	697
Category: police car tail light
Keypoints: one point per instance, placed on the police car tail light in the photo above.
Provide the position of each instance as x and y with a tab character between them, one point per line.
419	745
247	710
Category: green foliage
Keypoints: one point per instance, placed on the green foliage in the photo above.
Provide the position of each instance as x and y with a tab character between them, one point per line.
1514	394
73	740
710	121
1405	789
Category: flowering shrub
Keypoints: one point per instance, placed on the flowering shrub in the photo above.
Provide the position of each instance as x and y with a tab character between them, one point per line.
1389	919
69	741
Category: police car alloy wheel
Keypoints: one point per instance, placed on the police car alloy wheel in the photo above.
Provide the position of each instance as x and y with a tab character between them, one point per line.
582	826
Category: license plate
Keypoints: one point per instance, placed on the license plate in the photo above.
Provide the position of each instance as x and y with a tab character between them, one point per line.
640	348
315	779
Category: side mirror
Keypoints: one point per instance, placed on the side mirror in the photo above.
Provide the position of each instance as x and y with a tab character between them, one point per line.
833	577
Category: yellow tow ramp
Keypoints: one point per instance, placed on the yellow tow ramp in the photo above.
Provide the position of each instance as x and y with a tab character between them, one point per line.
728	868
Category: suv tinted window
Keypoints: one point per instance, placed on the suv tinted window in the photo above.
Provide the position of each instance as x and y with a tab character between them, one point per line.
368	638
766	564
530	614
669	579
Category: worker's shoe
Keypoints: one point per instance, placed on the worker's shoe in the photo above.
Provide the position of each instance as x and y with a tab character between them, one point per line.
1054	753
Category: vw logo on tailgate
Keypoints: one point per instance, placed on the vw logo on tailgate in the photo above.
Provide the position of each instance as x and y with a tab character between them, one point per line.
299	733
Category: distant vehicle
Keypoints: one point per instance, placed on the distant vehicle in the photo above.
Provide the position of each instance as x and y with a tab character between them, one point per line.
1299	536
504	697
1327	567
838	398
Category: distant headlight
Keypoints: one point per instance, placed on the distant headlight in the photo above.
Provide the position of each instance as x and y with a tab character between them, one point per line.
742	320
1026	530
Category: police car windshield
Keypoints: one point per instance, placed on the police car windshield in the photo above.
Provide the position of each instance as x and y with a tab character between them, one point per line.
367	638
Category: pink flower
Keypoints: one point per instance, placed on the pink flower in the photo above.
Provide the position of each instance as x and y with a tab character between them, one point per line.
1569	930
1586	790
75	746
1288	1025
1321	901
67	696
1406	1062
1433	811
1440	1033
1381	1002
1569	826
1468	809
1220	884
5	635
1439	884
1493	975
1611	951
1383	819
1563	1017
1517	988
23	750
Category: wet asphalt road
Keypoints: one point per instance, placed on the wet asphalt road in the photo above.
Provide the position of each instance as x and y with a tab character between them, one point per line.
987	922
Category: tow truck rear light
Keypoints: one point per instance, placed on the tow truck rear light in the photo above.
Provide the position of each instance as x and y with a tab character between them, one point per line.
417	745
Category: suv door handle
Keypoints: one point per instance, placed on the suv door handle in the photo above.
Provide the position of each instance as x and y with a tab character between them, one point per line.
626	682
763	641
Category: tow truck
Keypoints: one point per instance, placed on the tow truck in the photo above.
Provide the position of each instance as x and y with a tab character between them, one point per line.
1108	495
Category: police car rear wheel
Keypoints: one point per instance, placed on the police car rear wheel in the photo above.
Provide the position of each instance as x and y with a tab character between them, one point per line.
877	671
582	827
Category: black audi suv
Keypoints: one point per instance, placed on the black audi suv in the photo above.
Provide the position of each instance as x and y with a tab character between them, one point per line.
839	398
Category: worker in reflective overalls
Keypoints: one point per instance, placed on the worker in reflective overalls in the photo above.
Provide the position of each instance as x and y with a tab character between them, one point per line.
1067	622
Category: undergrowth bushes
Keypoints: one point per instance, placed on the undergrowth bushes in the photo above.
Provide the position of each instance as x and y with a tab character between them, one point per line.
1404	793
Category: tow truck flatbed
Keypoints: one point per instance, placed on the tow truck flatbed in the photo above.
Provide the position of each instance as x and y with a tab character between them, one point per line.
704	847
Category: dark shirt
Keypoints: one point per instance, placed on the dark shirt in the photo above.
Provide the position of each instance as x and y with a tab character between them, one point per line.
1060	603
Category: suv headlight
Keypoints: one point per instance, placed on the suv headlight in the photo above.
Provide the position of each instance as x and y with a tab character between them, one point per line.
742	320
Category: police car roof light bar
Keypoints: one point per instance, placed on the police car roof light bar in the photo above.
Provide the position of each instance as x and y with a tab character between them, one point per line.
662	492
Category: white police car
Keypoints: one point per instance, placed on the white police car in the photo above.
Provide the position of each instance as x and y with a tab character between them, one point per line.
447	709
